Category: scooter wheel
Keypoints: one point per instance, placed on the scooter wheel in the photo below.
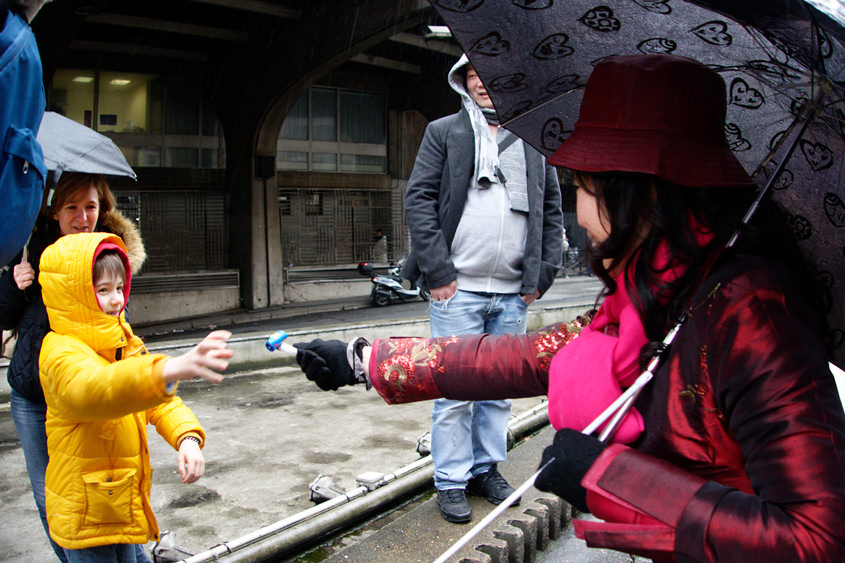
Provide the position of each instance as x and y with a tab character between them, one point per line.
381	299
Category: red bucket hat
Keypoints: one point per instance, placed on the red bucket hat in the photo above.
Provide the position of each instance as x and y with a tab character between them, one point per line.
655	114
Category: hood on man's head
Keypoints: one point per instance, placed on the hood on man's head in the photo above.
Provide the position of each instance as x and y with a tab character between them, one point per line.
458	77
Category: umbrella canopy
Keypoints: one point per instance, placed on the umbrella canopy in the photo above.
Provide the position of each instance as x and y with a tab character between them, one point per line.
72	147
777	58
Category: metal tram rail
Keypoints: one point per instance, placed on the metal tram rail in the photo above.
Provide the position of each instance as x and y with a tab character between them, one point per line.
302	530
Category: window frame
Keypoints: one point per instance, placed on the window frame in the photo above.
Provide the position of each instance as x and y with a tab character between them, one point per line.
339	148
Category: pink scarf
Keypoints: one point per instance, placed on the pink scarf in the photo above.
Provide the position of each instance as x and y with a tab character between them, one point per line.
590	372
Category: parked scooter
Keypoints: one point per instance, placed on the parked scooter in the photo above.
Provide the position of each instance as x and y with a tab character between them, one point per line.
390	287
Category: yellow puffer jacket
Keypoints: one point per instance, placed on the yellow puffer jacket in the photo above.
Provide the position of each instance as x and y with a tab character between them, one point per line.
99	475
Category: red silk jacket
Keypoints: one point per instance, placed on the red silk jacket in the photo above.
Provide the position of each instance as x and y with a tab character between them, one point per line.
743	454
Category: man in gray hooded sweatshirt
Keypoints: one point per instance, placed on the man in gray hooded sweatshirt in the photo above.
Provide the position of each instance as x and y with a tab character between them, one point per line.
484	213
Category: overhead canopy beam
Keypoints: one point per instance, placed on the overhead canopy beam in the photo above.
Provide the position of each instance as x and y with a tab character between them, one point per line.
258	6
129	49
431	45
386	63
137	22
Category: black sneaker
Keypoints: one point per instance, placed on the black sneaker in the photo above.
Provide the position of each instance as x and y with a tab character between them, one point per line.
491	485
454	506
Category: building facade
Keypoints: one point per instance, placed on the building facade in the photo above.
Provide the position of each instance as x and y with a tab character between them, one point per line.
270	138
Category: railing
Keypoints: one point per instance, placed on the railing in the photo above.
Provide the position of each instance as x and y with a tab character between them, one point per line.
574	263
160	283
296	274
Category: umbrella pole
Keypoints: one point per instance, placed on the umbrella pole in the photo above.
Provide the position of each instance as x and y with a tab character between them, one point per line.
806	117
620	406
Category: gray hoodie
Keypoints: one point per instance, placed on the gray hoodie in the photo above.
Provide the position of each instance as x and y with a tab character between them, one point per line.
489	243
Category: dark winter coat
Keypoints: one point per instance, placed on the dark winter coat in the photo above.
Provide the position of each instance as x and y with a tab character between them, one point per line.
437	192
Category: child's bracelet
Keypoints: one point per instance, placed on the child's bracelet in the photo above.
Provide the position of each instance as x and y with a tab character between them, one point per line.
194	438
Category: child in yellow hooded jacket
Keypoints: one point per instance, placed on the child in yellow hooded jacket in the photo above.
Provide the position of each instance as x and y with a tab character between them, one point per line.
102	389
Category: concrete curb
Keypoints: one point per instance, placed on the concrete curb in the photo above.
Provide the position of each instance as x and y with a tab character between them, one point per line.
519	535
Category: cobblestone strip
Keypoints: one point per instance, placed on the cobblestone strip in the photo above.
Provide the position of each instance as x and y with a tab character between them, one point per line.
520	537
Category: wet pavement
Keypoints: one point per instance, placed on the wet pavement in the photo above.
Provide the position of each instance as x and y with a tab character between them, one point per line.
271	433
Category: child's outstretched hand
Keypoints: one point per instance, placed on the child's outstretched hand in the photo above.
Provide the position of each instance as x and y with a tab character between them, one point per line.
203	360
191	461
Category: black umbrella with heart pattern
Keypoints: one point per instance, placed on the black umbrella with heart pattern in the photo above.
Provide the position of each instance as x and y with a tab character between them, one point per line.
776	57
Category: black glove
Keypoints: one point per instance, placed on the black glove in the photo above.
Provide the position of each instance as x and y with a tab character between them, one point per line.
325	362
574	453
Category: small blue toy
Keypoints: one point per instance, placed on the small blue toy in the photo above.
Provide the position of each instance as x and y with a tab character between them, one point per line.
276	342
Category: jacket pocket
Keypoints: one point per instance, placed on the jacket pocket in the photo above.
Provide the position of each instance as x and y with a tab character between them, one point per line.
108	496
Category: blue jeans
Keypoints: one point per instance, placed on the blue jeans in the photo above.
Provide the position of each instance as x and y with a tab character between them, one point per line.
467	438
29	418
115	553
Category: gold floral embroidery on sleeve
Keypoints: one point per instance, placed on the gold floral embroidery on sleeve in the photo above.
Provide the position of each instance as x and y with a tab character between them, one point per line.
699	392
405	357
555	337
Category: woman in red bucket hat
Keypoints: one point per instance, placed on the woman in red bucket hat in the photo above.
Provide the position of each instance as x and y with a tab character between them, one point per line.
736	449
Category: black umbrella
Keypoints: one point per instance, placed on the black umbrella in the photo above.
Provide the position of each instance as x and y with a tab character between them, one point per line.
783	62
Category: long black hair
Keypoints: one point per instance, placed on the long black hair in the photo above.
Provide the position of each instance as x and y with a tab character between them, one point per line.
663	215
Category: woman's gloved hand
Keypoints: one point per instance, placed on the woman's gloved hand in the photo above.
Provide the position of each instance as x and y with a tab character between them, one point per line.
325	362
574	453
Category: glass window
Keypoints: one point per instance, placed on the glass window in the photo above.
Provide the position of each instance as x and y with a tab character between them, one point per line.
146	156
362	163
155	113
73	95
179	157
361	117
183	112
348	133
209	118
210	158
323	162
131	109
291	160
123	102
324	114
296	121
